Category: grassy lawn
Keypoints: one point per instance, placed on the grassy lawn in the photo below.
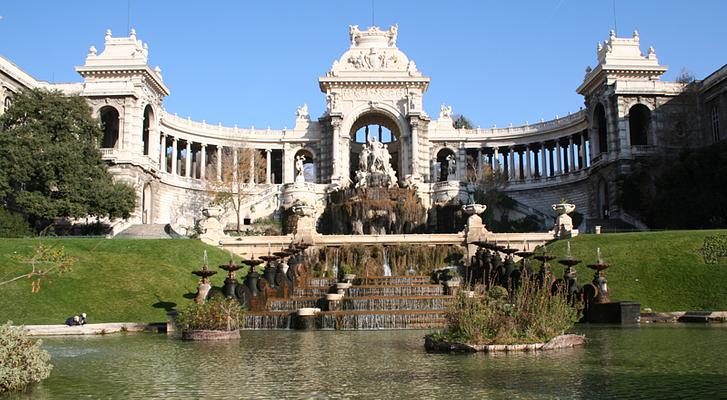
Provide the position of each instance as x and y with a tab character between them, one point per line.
662	270
137	280
112	280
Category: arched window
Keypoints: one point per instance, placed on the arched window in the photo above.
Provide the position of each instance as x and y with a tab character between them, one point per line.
110	123
372	127
599	117
309	166
443	160
7	103
147	125
603	202
715	124
639	125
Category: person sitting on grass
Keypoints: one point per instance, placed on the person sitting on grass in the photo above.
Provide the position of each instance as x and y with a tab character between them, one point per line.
82	320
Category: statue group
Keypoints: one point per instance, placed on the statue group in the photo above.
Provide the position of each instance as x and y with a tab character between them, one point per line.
375	161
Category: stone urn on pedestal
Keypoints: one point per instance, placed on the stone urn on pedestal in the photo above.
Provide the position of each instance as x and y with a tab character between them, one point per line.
563	227
475	227
305	227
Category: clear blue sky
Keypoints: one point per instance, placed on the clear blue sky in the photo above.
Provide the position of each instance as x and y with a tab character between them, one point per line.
252	63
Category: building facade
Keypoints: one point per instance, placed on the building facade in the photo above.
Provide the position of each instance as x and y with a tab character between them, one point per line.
375	92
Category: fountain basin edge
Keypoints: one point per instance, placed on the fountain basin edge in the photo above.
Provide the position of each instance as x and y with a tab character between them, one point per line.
558	342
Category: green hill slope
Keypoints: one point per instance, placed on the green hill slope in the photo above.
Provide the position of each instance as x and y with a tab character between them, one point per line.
662	270
112	280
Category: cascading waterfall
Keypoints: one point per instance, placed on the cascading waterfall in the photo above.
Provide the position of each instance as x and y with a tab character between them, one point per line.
334	268
387	267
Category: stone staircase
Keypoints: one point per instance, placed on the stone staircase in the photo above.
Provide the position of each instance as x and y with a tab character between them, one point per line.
371	303
148	231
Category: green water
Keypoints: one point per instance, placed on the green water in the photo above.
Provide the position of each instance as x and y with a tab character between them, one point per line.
659	361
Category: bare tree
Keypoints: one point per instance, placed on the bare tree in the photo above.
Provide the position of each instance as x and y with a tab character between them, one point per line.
234	184
47	259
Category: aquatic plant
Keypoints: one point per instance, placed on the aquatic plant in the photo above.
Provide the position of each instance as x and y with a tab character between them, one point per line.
216	314
531	314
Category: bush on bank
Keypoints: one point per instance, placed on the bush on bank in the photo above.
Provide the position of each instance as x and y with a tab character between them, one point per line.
492	316
22	361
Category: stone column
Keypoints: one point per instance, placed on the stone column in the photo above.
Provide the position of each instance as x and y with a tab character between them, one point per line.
174	155
511	156
461	163
234	165
496	160
163	152
268	165
288	173
479	163
543	160
219	162
414	147
203	163
336	153
528	169
571	154
188	159
344	165
557	168
251	167
582	153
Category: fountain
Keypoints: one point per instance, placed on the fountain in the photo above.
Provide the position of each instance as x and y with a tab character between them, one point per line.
204	287
570	281
229	289
599	279
545	275
597	305
252	278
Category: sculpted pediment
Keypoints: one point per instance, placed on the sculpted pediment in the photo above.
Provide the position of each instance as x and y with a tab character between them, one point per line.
371	51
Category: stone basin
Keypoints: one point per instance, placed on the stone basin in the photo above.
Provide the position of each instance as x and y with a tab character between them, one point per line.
334	297
307	311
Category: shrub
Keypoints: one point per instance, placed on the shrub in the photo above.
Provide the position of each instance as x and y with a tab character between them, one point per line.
13	225
529	315
217	314
715	248
22	361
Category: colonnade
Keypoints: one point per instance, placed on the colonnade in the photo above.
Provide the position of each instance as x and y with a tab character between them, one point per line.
185	158
534	161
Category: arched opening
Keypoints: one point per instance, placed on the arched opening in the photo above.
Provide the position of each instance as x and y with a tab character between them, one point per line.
639	124
445	158
599	118
369	128
7	103
110	122
310	172
146	205
603	205
147	127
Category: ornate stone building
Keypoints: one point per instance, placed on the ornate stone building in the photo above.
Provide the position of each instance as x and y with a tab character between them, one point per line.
375	92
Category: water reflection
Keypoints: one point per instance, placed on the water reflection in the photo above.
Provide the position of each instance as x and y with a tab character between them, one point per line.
666	361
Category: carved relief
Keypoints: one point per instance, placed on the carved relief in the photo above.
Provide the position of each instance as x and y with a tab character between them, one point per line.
374	93
374	59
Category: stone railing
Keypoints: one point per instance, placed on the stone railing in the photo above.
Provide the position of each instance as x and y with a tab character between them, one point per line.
544	126
190	126
107	153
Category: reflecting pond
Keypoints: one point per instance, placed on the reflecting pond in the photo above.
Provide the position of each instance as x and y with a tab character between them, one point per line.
654	361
